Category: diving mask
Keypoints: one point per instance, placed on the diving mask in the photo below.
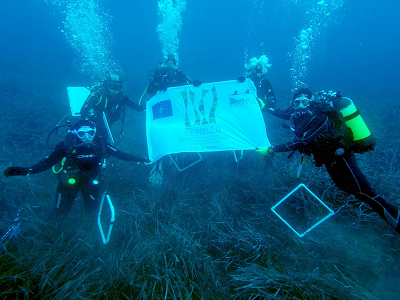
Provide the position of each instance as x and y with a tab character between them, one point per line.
86	133
301	102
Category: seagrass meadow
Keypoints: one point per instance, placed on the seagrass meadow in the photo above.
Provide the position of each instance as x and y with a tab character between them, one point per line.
205	233
208	232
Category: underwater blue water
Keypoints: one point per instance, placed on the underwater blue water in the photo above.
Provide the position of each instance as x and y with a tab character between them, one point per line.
357	45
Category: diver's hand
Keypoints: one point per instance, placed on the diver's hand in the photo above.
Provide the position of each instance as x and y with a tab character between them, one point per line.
144	160
16	171
197	83
265	150
261	102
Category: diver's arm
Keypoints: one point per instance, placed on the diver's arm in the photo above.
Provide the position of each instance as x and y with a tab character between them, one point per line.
151	88
182	78
268	94
155	82
281	113
57	155
128	102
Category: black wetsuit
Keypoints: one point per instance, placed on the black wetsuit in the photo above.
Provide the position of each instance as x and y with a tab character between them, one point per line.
265	93
112	104
80	170
312	136
281	113
165	77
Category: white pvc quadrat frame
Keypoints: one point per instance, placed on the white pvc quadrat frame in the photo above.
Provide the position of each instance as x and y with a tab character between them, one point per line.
191	165
112	219
237	159
301	185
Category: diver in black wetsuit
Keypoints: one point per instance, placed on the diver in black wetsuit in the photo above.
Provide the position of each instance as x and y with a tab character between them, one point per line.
318	135
166	75
79	158
169	75
256	70
107	97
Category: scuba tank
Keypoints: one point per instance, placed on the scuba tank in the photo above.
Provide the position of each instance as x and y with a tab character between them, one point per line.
363	140
353	118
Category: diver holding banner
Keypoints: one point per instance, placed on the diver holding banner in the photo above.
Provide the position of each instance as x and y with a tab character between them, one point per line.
78	161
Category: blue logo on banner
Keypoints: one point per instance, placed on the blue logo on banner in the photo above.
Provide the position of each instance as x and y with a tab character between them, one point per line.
162	109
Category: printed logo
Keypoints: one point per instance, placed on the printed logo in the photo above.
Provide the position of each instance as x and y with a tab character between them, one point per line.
241	98
86	155
200	120
162	109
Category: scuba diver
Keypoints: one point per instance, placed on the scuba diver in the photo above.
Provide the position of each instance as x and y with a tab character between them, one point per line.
330	135
169	75
78	162
256	70
107	97
166	75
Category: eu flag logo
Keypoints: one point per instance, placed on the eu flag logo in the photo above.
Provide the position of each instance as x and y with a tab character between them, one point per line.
162	109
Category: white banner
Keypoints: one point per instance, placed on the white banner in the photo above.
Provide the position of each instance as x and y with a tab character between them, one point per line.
217	116
77	97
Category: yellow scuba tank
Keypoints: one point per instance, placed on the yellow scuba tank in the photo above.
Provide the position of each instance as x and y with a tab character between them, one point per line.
363	140
353	119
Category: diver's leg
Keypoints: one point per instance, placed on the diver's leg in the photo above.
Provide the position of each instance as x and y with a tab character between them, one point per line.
91	194
65	197
348	177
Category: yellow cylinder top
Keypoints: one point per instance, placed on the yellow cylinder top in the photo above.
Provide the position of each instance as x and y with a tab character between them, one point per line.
348	110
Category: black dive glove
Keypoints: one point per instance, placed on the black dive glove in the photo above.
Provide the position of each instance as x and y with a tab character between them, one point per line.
241	79
196	83
16	171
